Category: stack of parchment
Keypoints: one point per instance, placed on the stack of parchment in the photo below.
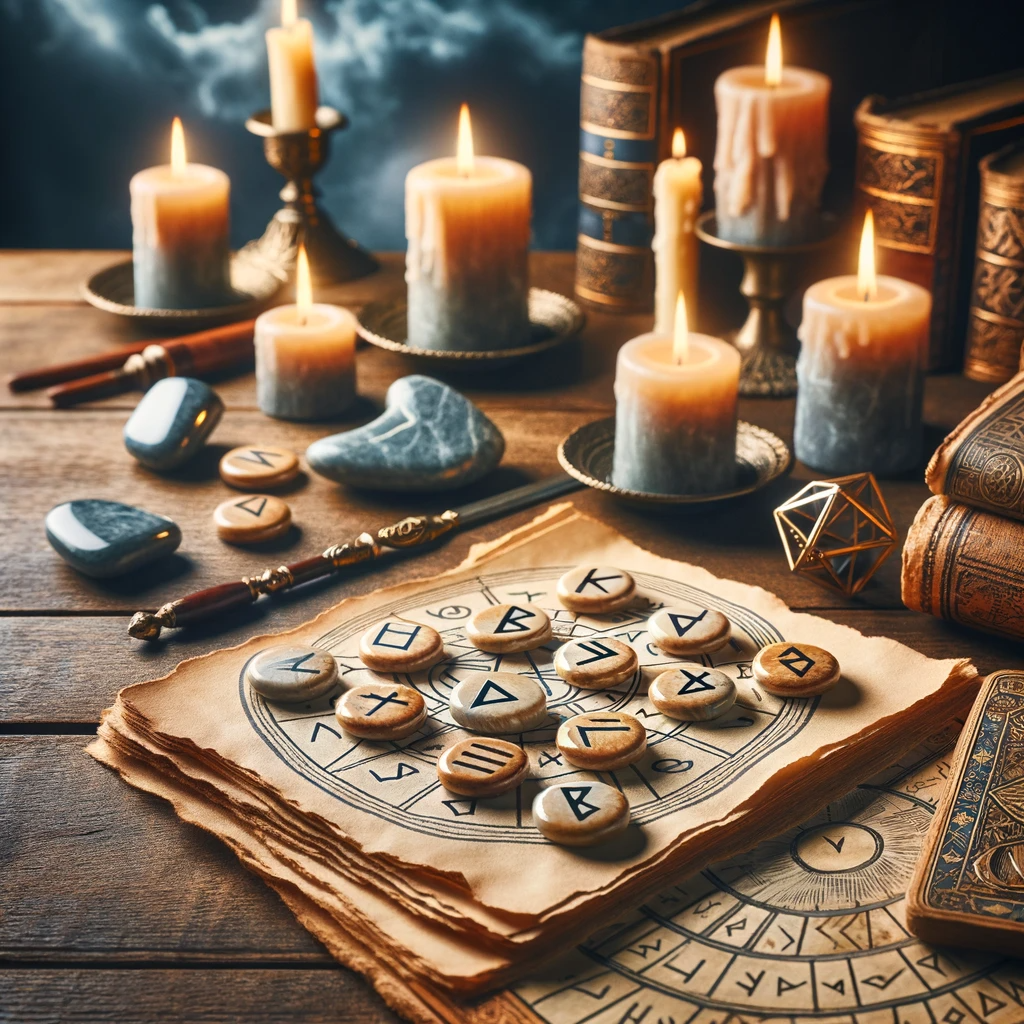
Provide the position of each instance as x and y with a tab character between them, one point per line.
436	897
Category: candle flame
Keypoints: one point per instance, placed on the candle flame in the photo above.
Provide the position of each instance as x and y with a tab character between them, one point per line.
464	147
178	156
303	285
773	57
681	333
867	281
289	12
678	144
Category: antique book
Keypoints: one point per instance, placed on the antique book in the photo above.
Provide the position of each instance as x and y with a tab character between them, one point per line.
981	463
448	897
968	887
996	327
963	564
917	169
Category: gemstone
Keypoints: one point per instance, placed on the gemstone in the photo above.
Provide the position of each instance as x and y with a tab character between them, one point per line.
596	663
795	670
428	438
172	422
498	702
692	693
580	814
252	519
482	767
397	645
381	711
602	741
106	538
595	589
259	467
509	628
683	631
290	673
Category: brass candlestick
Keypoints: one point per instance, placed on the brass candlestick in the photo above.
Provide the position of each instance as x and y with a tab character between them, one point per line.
298	156
766	342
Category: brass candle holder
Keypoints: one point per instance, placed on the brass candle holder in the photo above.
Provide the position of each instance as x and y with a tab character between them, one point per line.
298	156
766	342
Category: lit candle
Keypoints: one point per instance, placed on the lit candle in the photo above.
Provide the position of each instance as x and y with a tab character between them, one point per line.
770	155
305	355
677	199
180	233
293	90
467	219
860	373
675	412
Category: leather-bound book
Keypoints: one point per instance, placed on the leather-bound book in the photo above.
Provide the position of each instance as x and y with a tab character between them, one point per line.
918	169
966	565
981	463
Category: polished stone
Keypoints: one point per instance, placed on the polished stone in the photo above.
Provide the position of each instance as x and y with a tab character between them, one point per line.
692	693
580	813
381	711
292	673
596	663
106	538
498	702
795	670
259	467
602	741
595	589
172	421
429	438
509	628
482	767
683	631
253	519
397	645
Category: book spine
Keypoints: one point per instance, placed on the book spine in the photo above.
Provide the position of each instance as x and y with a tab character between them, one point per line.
962	564
996	320
906	175
618	157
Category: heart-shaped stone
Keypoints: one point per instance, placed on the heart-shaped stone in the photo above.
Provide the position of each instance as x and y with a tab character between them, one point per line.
429	438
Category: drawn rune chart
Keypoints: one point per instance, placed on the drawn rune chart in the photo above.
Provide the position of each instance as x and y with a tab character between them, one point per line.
807	927
685	762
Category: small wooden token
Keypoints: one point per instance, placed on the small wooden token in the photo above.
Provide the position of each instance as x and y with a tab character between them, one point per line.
482	767
397	645
380	711
795	670
580	814
677	631
258	467
590	588
499	702
508	628
596	663
692	693
602	740
291	673
252	520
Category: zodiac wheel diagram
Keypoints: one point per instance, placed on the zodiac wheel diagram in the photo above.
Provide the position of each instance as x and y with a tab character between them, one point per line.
808	926
685	762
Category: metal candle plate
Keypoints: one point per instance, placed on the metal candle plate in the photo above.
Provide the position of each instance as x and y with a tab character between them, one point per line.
761	457
554	320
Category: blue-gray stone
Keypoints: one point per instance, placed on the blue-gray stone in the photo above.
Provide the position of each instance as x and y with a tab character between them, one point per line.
172	422
429	438
106	538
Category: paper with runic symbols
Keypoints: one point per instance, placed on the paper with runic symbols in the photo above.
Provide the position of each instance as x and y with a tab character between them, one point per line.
437	897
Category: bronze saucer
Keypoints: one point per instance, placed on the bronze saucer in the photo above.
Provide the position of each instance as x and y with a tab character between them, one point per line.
554	320
761	457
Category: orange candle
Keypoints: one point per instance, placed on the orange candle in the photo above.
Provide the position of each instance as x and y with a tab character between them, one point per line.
293	85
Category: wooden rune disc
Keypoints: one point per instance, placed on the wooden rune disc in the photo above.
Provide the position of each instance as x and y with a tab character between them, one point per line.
509	628
596	663
590	588
397	645
681	632
258	467
795	670
580	814
499	702
252	520
602	740
692	693
381	711
290	673
482	767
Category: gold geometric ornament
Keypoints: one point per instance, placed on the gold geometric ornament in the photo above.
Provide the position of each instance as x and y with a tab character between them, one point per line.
837	532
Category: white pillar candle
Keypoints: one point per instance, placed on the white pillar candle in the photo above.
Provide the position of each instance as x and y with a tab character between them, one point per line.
293	88
180	250
770	154
675	413
305	356
467	220
677	199
860	373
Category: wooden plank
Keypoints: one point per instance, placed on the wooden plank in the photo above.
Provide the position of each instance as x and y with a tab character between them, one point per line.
253	996
70	667
105	872
50	275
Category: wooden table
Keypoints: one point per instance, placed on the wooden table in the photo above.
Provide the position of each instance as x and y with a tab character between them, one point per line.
111	908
